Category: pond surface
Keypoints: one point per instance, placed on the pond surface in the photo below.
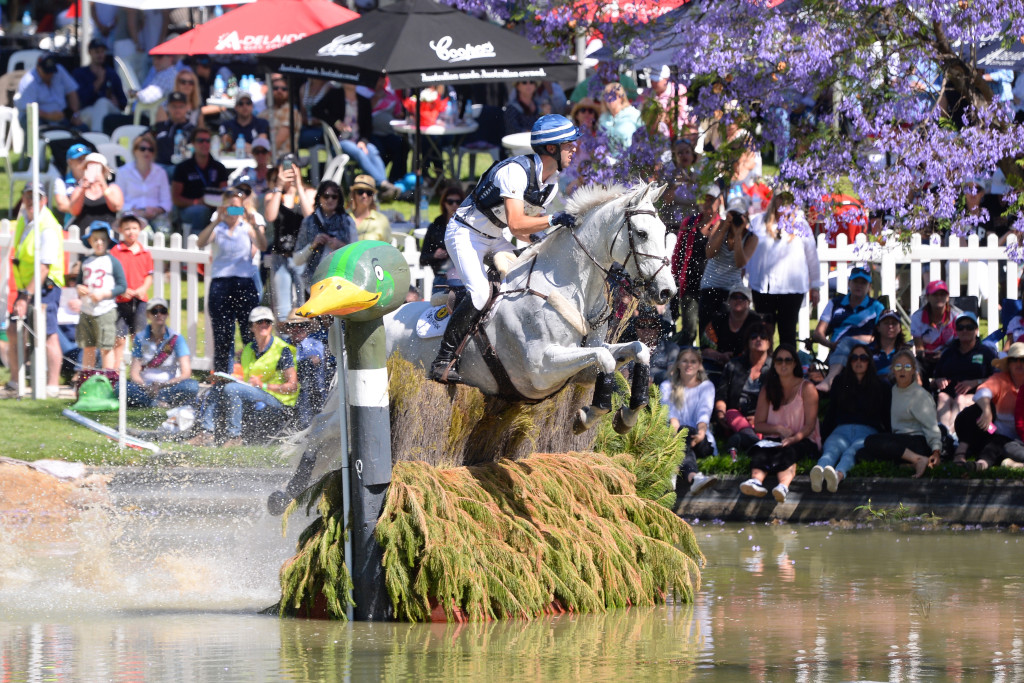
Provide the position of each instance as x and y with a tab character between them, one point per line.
165	594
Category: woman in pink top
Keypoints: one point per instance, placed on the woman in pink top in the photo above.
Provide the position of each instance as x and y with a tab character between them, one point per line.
787	417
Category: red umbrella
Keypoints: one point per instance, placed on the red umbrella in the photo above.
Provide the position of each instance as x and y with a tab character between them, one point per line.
257	27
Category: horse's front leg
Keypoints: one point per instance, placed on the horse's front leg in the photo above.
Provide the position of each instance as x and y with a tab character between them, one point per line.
630	351
605	384
559	363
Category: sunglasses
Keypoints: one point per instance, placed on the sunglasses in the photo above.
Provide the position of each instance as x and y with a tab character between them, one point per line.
260	150
862	357
202	141
364	193
902	366
453	202
280	88
244	103
261	323
335	197
189	82
158	311
688	361
738	297
760	335
965	328
144	148
783	360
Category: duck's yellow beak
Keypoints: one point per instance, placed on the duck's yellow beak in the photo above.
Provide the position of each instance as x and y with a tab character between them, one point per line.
336	296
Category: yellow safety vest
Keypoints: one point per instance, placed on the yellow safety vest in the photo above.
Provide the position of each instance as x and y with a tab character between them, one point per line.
25	250
265	367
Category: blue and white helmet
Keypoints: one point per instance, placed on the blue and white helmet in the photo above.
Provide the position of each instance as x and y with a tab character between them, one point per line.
552	129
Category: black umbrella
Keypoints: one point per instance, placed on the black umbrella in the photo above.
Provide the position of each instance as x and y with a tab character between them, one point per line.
993	55
417	43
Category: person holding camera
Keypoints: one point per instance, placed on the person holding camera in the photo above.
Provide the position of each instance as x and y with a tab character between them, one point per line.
286	205
730	247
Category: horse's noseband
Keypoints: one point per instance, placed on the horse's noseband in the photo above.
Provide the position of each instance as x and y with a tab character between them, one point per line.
633	253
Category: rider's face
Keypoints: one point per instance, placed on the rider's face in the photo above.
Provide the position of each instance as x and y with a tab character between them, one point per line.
567	150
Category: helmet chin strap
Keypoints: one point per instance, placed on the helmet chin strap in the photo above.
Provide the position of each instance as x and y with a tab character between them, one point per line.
557	156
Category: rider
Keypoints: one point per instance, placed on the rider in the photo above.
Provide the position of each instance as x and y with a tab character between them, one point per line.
511	194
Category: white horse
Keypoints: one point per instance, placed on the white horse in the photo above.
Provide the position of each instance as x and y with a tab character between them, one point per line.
548	324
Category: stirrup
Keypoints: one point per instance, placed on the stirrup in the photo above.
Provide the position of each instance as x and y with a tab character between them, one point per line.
445	372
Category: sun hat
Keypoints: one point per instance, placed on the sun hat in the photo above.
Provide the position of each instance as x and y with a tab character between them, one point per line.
261	313
95	227
96	395
586	103
1016	350
364	182
153	303
859	273
936	286
76	151
97	158
295	319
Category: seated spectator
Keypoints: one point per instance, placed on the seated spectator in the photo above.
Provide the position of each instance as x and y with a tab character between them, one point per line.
102	281
585	115
159	82
206	75
325	231
434	253
100	92
244	124
54	90
962	368
137	264
889	338
723	339
620	119
262	401
858	408
848	319
352	119
144	184
1014	330
738	388
190	180
523	109
933	326
311	361
168	151
286	207
915	436
731	244
257	176
787	418
371	224
93	198
186	83
315	96
551	97
161	370
279	119
690	396
63	187
988	425
689	259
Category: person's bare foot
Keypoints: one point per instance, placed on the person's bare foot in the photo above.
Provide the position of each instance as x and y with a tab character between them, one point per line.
920	466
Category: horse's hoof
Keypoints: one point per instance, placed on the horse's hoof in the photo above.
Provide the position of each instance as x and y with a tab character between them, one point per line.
278	502
620	424
579	425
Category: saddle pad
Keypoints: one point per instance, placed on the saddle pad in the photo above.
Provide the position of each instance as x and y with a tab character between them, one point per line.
433	322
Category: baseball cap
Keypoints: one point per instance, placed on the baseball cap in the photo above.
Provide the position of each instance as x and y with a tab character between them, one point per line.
261	143
969	316
48	64
39	187
889	313
859	273
153	303
937	286
741	289
243	96
76	151
713	190
261	313
659	74
176	96
97	43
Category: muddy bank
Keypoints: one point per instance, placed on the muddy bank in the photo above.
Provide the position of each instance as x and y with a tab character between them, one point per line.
954	501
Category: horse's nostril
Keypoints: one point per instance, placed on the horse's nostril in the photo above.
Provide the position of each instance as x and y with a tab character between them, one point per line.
665	294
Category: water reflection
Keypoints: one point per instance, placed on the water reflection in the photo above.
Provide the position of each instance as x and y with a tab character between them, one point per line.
778	603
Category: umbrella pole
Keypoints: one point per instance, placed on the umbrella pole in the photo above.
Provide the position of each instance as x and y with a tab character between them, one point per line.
291	112
416	160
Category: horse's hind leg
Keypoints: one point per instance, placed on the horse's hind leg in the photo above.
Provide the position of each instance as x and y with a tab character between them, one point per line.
599	406
279	500
625	418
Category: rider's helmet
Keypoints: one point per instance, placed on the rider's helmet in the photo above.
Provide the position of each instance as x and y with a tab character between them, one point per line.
552	129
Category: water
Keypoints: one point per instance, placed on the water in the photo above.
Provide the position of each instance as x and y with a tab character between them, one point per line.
165	586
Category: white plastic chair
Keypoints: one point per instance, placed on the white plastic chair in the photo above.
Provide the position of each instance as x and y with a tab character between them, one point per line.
128	80
47	171
150	109
24	59
335	169
126	134
117	155
97	138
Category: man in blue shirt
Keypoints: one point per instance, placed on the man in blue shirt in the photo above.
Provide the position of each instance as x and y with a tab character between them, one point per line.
53	88
848	320
99	88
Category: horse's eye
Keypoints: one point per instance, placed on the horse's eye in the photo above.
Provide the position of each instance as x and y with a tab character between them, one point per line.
642	234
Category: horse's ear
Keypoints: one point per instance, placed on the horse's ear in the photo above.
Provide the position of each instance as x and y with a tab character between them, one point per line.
655	190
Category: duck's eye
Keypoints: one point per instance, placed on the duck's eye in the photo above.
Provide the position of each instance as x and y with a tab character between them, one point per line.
379	272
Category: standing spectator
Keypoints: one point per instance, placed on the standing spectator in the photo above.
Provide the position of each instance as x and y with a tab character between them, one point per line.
279	116
988	425
159	82
99	88
325	231
784	267
915	436
370	223
269	388
738	388
620	119
137	264
394	148
889	338
161	370
286	207
186	83
34	217
730	246
93	199
858	408
933	326
962	368
725	336
53	89
102	281
848	319
233	232
787	415
166	132
689	260
690	397
523	109
310	364
434	252
190	180
244	124
144	184
670	98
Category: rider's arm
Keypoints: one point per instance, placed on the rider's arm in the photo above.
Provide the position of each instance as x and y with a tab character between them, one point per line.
519	224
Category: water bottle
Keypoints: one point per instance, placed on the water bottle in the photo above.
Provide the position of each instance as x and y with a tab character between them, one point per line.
218	11
218	86
215	145
424	205
468	111
240	147
176	156
26	22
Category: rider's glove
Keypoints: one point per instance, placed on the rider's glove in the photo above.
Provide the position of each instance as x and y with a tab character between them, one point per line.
562	218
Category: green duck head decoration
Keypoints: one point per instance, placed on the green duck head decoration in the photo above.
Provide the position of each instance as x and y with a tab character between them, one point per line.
361	281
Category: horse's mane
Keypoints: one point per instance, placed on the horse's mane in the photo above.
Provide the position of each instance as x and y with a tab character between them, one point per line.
593	195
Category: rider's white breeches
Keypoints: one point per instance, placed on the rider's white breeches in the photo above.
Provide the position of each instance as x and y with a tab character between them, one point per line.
467	248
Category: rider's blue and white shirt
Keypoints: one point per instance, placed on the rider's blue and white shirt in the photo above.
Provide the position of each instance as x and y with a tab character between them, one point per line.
512	182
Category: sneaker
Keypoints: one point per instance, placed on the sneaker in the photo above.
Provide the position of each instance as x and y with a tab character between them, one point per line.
1007	462
233	442
201	439
752	487
831	479
817	472
780	492
52	391
701	482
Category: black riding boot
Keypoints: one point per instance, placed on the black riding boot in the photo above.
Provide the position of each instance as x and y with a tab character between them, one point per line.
463	318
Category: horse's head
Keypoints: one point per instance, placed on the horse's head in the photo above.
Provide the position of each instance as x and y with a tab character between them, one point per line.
638	243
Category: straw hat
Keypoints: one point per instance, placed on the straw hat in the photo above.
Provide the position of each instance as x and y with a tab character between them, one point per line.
586	103
1016	350
295	319
364	182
